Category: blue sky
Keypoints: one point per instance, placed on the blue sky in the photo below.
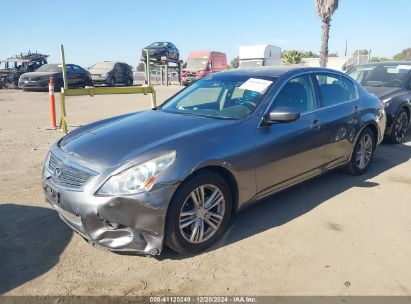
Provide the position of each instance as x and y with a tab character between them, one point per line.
93	31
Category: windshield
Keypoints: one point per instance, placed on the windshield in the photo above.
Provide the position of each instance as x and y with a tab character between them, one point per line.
103	66
393	75
251	63
220	96
49	68
197	63
158	45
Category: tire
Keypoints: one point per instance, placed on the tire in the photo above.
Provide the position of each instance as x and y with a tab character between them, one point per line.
400	127
364	147
111	82
129	82
179	233
57	86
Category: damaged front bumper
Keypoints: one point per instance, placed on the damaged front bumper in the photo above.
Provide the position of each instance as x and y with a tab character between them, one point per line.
123	223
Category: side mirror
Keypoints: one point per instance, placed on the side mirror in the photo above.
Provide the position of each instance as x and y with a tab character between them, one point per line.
281	115
209	66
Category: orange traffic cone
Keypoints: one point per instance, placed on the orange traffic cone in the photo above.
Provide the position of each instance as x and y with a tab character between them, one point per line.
52	104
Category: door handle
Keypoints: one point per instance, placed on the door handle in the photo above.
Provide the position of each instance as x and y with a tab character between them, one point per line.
316	124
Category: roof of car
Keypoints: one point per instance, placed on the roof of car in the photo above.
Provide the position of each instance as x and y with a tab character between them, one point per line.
275	71
388	63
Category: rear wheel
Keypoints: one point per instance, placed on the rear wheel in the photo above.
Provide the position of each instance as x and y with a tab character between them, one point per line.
400	127
363	153
129	81
199	213
58	84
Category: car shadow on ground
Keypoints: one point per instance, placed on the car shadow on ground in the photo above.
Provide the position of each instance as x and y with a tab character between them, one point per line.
281	208
31	241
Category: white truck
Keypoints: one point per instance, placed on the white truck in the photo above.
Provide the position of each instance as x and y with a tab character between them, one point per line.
251	56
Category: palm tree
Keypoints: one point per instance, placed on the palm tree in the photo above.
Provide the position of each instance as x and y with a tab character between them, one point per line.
325	9
291	57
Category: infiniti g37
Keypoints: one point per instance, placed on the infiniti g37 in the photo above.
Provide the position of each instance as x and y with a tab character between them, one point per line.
175	175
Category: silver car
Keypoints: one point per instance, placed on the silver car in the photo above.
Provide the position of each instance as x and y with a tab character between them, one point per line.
177	173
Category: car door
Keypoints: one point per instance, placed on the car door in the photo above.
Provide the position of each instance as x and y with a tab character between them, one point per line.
290	152
122	72
71	77
85	76
78	76
116	73
339	114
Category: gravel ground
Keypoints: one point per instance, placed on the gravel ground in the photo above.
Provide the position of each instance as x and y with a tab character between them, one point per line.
336	235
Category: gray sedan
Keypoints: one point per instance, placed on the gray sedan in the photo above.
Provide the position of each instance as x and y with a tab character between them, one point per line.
176	174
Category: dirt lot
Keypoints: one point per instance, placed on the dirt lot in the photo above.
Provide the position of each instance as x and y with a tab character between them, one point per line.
337	235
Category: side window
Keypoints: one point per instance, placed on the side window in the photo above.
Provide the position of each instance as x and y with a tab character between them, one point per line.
350	88
69	68
298	94
335	89
77	69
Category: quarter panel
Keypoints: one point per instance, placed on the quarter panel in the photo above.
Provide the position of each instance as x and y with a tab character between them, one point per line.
340	127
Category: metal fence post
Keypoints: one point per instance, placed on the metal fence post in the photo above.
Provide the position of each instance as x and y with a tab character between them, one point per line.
148	68
63	61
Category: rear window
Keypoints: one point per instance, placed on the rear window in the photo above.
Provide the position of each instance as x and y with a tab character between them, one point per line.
50	68
103	66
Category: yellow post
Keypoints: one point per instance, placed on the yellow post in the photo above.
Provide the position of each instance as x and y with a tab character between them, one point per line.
63	123
153	99
63	62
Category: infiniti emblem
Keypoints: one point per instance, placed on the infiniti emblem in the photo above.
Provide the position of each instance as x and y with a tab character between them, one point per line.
57	172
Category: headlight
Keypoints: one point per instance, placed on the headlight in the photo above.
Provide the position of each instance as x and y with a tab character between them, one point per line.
139	178
387	102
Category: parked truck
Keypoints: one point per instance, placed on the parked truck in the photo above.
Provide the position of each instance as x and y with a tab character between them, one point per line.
251	56
202	63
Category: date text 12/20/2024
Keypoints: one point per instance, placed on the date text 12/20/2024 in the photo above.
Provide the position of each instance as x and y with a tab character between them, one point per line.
203	299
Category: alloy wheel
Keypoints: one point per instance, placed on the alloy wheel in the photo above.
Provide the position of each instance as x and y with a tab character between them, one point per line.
202	213
364	151
401	126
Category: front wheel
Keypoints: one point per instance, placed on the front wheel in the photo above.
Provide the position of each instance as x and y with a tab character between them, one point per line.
199	213
363	153
111	82
400	127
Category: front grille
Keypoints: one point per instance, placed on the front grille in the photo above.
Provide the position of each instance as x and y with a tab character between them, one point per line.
66	175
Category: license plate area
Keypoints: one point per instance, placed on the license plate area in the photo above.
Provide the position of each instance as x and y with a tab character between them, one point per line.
51	194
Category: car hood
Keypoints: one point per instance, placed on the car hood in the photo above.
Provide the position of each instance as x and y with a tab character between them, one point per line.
40	74
383	92
114	141
99	71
